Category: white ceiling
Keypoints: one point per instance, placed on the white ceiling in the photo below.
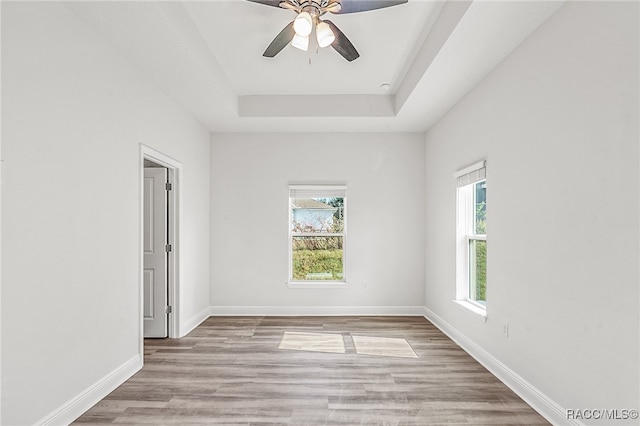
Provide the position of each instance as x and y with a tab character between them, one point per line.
207	56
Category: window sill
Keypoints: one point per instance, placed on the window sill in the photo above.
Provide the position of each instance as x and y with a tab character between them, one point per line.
317	284
472	308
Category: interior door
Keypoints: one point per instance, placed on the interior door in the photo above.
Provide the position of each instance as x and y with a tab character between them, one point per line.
155	252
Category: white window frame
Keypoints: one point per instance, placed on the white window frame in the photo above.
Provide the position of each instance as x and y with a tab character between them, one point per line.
465	207
318	191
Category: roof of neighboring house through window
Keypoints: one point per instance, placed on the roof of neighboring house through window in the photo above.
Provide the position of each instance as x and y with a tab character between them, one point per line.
310	203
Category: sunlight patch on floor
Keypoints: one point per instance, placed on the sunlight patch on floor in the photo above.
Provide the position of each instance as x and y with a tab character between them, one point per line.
312	342
383	346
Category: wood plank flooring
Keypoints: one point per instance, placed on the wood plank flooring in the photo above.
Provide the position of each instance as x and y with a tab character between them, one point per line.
230	371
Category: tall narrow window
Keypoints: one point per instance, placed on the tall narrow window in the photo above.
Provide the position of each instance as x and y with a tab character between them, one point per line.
317	233
472	235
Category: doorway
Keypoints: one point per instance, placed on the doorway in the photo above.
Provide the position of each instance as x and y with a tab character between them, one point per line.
159	245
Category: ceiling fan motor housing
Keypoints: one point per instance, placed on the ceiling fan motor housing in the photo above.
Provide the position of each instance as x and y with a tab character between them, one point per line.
314	8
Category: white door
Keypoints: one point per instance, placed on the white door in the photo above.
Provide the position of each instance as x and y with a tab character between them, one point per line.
155	252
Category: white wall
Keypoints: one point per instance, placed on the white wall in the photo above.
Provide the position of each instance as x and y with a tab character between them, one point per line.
557	122
74	115
249	219
1	174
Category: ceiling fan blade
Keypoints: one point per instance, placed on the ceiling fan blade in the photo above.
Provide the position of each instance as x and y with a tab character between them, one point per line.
274	3
353	6
280	42
341	44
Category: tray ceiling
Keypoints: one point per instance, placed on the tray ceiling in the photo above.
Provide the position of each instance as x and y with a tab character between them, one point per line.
207	56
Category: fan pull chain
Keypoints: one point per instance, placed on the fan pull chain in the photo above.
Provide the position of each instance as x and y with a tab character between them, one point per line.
317	52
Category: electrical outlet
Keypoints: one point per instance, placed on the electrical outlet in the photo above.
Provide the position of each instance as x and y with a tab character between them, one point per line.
505	329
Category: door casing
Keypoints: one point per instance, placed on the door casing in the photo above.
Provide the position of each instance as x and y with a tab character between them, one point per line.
174	168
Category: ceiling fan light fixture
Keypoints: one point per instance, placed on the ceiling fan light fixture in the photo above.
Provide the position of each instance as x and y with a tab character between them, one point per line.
324	34
300	42
303	24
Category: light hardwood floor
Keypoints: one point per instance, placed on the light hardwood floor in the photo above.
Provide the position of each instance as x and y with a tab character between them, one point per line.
230	370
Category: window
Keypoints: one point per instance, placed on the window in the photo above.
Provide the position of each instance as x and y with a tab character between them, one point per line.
472	235
317	233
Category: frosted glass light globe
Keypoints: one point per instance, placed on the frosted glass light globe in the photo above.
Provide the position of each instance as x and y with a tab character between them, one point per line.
303	24
324	34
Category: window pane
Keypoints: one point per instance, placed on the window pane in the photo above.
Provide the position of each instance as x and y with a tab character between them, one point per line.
478	270
480	205
317	214
317	258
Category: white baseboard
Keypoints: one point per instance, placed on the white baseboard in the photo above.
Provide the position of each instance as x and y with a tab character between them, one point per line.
544	405
77	406
188	326
413	311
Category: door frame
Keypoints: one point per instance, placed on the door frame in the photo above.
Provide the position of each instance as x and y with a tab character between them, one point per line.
174	169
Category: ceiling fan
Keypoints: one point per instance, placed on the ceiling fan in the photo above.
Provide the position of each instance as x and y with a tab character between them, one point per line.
308	19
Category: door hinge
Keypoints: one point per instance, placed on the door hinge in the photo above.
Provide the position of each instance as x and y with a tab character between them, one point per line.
167	248
168	309
168	186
